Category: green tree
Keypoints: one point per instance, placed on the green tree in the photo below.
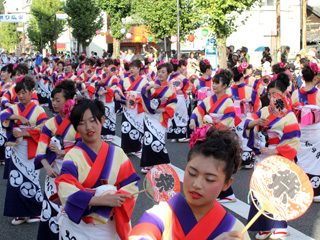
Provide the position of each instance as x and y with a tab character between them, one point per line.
220	16
34	35
161	17
117	10
44	13
9	37
84	19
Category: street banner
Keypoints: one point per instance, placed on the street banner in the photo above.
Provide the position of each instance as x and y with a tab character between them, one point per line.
13	18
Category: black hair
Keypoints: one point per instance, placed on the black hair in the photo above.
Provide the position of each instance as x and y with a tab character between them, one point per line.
246	69
146	61
281	83
304	61
61	62
182	62
236	74
308	74
66	87
277	69
108	62
98	62
168	66
81	58
136	63
115	62
221	145
27	83
90	62
203	66
22	68
176	66
7	68
56	60
96	107
46	60
224	76
126	66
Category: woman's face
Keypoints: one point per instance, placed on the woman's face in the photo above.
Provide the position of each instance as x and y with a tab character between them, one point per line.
69	69
5	75
134	71
163	74
218	87
89	128
60	67
24	96
204	179
58	102
272	91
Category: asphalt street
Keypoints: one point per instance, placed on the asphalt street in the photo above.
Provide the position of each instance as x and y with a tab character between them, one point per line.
305	227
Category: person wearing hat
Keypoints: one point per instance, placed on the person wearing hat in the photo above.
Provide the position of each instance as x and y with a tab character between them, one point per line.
246	55
311	55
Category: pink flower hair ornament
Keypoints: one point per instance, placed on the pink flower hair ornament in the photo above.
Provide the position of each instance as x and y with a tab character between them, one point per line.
118	60
200	134
14	66
314	67
161	62
175	61
207	62
68	106
274	77
19	79
240	69
281	64
244	65
149	60
218	71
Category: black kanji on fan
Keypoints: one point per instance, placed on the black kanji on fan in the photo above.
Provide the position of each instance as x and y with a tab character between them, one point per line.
176	83
279	104
165	182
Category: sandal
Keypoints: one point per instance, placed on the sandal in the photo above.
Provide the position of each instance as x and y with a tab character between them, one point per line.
279	233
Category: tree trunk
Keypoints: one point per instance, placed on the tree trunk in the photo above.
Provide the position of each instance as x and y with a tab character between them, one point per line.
84	48
222	56
116	48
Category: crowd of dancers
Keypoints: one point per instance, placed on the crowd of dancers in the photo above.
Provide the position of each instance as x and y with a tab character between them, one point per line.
157	102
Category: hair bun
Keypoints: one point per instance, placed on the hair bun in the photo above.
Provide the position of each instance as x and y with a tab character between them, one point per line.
284	78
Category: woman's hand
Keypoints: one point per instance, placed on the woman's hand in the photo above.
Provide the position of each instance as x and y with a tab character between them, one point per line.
260	122
17	134
117	96
268	151
54	148
100	93
159	110
155	86
230	236
24	121
53	173
113	199
192	124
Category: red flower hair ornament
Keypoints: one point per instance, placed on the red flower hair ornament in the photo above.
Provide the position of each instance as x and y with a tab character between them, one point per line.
200	134
68	106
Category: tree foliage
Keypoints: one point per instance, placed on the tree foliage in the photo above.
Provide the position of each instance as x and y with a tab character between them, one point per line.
44	13
161	16
117	10
220	17
9	36
34	35
84	19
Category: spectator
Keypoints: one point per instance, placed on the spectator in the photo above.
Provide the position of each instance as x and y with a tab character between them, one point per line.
265	54
38	59
129	55
173	54
104	54
123	55
312	57
284	55
303	62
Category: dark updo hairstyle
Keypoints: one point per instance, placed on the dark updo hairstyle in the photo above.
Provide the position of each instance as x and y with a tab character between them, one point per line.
98	62
90	62
81	58
277	69
22	68
146	61
304	61
183	62
236	74
136	63
126	66
7	68
61	62
221	145
96	107
46	60
66	87
116	63
203	66
224	76
27	84
108	62
247	68
176	66
56	60
308	74
281	83
168	66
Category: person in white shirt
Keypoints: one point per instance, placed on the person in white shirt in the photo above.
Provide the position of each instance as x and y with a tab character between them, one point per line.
130	55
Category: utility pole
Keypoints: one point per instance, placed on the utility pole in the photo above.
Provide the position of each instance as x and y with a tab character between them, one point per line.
178	30
278	31
304	24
